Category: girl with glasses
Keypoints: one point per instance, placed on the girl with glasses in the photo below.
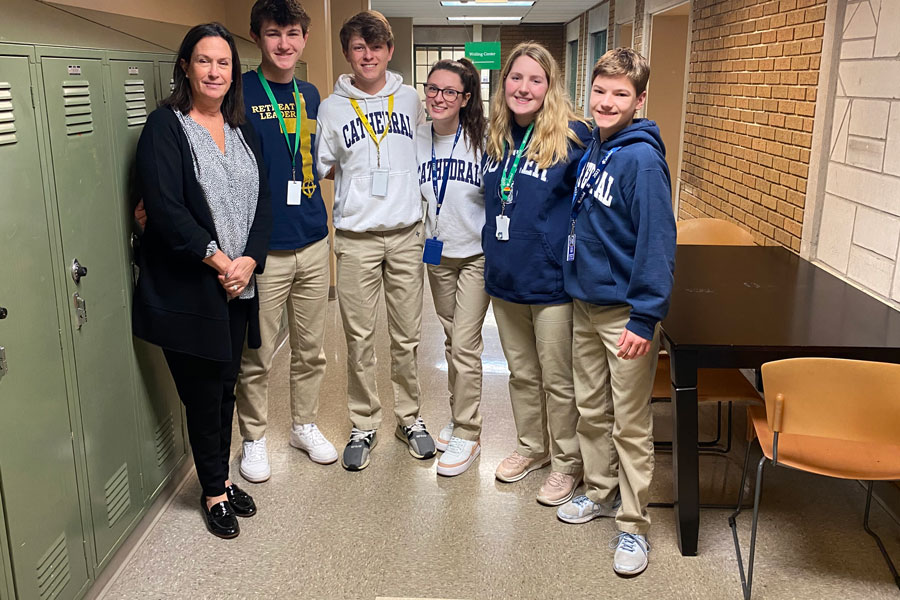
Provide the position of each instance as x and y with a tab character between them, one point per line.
449	152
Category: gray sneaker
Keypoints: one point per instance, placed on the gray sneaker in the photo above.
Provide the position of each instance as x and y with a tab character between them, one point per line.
356	453
417	438
582	509
631	554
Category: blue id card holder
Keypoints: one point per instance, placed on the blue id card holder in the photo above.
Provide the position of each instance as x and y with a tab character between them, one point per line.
432	253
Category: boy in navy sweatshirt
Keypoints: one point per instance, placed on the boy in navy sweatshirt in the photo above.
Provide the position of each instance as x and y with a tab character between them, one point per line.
619	269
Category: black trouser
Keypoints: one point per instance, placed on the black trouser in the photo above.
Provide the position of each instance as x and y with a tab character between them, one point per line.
206	388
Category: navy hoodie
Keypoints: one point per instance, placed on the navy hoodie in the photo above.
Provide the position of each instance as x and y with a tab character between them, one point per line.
293	227
625	231
527	268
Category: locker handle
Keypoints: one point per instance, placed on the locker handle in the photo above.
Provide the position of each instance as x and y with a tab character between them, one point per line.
3	312
78	271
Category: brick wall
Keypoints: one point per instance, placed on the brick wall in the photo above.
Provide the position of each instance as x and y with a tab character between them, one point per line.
553	37
611	29
639	22
583	49
754	69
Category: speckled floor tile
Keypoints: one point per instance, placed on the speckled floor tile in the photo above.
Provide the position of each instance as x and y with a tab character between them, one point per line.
396	530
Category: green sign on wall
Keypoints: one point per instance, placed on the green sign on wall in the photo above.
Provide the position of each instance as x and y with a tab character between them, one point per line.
484	55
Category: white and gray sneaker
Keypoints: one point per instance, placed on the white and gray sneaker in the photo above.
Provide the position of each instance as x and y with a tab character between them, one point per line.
309	439
582	509
459	456
255	461
356	453
631	553
443	438
417	438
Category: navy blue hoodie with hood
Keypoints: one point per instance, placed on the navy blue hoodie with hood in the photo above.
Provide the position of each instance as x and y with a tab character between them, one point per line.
625	231
527	268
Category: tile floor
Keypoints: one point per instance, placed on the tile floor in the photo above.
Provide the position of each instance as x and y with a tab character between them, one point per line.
397	530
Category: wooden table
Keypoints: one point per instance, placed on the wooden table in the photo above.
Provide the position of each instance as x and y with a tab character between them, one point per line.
739	307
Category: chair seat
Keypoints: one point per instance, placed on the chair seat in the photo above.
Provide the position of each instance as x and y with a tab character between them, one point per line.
827	456
713	385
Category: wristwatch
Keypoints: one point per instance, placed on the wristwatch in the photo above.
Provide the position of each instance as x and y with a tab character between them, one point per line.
211	248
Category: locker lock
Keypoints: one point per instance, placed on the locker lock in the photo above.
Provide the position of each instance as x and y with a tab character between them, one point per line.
78	271
3	312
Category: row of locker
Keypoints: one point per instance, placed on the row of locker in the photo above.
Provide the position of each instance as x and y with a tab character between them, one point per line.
91	428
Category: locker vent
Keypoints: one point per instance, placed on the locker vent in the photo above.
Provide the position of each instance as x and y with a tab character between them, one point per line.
77	103
165	440
53	570
135	102
7	119
118	496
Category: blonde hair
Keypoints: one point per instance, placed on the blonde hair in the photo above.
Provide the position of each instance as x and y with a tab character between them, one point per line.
550	139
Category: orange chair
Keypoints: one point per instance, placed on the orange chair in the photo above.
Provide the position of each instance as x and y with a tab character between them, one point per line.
828	416
713	385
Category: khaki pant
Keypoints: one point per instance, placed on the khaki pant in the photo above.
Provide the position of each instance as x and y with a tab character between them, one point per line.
366	263
616	425
298	280
457	286
537	343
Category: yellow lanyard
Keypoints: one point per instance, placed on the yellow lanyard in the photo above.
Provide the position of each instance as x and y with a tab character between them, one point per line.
305	133
371	131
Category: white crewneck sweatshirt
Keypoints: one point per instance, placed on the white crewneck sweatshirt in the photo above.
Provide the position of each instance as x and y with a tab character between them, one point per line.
342	142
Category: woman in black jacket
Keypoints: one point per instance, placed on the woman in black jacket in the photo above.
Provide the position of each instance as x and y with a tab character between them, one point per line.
209	219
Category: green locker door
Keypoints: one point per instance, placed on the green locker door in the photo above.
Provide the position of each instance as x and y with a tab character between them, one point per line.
133	97
166	82
37	458
91	231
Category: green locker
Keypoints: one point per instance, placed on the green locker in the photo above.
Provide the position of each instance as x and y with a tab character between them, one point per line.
93	254
134	93
37	457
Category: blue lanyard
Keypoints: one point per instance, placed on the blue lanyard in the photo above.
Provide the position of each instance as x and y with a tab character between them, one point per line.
588	186
439	196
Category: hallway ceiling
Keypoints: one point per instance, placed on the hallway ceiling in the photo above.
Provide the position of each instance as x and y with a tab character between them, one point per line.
431	12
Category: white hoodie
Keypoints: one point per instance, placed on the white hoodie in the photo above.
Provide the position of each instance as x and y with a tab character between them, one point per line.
343	143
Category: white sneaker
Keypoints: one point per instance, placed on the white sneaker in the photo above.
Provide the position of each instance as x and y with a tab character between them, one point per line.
582	509
631	553
459	456
309	439
443	438
255	461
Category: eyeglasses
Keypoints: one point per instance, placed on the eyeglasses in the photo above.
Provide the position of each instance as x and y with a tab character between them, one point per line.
449	94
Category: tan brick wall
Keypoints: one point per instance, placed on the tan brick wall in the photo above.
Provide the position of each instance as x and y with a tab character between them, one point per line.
751	100
584	43
611	30
553	37
639	23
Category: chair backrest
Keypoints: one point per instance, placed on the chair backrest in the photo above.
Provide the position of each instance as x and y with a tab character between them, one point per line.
712	232
834	398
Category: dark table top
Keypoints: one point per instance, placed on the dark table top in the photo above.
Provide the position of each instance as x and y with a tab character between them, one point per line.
767	300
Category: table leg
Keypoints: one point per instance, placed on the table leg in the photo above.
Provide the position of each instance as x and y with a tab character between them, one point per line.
684	450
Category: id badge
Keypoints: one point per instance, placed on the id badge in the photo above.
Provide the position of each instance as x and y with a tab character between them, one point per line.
502	228
570	248
432	253
379	182
294	193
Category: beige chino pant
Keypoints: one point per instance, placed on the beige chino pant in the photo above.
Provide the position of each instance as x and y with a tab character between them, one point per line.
615	429
367	263
457	286
298	280
537	343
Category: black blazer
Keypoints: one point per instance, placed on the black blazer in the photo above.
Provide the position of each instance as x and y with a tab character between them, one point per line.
179	303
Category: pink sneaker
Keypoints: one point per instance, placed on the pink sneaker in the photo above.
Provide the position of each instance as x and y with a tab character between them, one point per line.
558	489
515	466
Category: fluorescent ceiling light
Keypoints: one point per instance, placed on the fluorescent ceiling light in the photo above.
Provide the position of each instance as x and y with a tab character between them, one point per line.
477	19
487	4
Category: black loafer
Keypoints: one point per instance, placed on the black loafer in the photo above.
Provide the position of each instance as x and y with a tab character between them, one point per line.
240	501
220	519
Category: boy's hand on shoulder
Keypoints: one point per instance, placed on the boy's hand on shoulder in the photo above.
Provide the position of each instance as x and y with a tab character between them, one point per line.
631	345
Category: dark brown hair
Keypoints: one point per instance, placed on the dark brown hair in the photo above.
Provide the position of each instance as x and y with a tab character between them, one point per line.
282	12
471	116
181	99
371	26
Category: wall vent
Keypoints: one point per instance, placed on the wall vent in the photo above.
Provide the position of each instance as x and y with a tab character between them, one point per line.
53	570
135	102
77	104
7	118
165	440
118	495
